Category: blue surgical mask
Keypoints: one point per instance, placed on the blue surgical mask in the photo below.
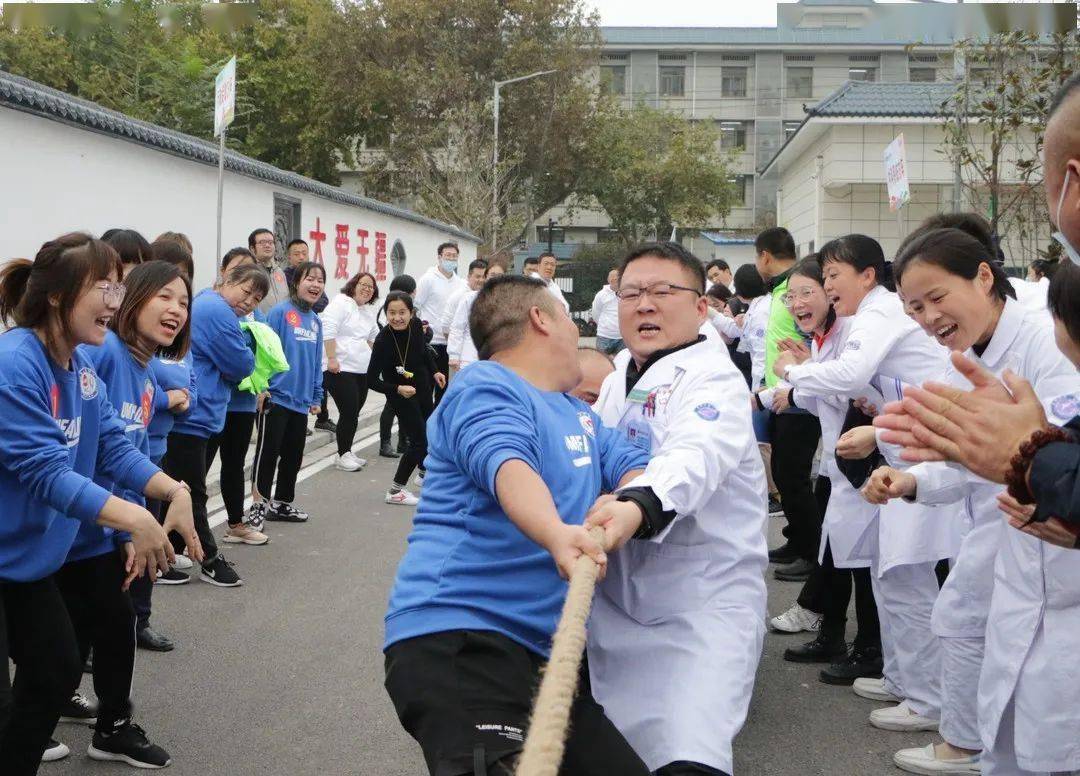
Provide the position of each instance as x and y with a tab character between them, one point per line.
448	265
1071	252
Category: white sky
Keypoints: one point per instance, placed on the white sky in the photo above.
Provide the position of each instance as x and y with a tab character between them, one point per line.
689	13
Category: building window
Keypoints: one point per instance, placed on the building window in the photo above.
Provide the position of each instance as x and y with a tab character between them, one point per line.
672	81
733	81
983	76
613	79
738	195
607	235
558	234
800	81
790	128
922	75
732	135
862	73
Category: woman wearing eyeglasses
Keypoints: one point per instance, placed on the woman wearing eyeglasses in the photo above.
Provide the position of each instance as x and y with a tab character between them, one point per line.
57	431
884	350
349	329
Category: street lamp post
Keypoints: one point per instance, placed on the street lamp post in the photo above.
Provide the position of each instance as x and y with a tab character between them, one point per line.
495	156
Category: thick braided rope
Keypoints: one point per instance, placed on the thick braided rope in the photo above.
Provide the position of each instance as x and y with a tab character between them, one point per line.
548	728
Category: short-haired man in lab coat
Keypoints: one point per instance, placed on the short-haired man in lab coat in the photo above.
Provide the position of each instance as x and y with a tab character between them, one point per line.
678	623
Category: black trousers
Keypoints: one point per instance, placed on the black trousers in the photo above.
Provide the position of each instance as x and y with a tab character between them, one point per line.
232	442
349	390
280	449
104	619
815	590
412	414
141	591
37	634
795	437
324	414
465	696
442	361
185	460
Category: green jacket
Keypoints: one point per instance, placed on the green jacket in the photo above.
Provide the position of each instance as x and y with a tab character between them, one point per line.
781	326
269	357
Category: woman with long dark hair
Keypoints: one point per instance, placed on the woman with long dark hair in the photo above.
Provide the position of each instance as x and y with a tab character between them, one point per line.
403	369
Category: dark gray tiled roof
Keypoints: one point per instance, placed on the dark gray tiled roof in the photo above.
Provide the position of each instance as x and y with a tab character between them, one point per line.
860	98
29	96
871	35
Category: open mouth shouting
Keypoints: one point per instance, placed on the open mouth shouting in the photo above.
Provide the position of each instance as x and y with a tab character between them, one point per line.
103	322
946	334
648	330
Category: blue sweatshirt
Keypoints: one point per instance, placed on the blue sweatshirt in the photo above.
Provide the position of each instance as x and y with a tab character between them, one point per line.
132	392
301	338
221	356
57	429
467	565
245	401
170	375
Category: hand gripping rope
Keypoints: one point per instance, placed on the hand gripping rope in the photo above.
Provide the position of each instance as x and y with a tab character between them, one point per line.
546	738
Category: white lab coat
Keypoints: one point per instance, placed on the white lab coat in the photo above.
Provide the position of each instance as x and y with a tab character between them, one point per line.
459	341
1033	626
1031	295
1024	343
449	309
678	623
884	348
555	291
848	517
752	341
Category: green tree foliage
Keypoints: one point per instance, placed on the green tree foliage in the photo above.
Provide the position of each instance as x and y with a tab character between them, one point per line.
156	61
651	170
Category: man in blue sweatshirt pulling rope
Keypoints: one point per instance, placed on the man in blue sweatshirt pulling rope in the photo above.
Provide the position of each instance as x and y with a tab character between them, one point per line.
514	466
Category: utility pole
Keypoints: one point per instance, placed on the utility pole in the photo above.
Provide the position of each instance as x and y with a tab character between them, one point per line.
551	228
960	76
495	155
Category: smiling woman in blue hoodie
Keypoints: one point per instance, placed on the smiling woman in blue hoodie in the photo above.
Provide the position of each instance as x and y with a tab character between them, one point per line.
282	417
57	430
152	319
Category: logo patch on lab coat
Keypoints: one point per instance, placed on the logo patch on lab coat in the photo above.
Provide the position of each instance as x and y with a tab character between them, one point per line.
88	383
707	411
853	345
1066	407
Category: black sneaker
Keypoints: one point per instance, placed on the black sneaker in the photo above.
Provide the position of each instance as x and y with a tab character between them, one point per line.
173	577
148	638
256	514
128	744
386	451
55	751
220	572
308	432
80	710
326	425
285	513
823	649
776	509
860	662
783	554
798	570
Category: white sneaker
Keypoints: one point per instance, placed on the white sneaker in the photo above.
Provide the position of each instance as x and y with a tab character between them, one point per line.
925	761
183	563
418	481
796	620
349	462
54	751
902	719
402	497
873	689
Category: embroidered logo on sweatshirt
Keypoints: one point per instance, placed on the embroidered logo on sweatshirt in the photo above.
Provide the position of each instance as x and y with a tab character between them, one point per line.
293	318
147	402
88	383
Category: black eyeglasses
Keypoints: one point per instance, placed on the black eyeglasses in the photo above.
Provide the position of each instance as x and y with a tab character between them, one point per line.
657	291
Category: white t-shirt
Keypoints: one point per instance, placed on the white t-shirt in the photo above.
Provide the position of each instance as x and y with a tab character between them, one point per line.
459	343
556	292
433	292
351	326
605	311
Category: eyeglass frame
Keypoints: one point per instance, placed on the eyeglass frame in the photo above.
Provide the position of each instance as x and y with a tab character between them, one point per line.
649	290
116	290
788	298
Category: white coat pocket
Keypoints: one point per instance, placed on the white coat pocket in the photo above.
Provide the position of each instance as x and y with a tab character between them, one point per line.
662	580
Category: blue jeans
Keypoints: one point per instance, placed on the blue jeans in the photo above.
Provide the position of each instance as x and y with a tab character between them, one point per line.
609	346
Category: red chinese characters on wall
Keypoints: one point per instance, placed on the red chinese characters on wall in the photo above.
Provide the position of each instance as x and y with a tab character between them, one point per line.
364	249
341	248
380	256
318	236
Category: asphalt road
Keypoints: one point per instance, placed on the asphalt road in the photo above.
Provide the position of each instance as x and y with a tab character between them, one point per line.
283	676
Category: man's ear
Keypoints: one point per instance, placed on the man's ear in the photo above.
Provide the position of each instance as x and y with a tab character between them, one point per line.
539	322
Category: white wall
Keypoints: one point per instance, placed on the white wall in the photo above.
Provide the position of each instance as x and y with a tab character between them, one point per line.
57	178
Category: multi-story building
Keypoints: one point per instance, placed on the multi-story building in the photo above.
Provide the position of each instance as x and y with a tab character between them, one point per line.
755	83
